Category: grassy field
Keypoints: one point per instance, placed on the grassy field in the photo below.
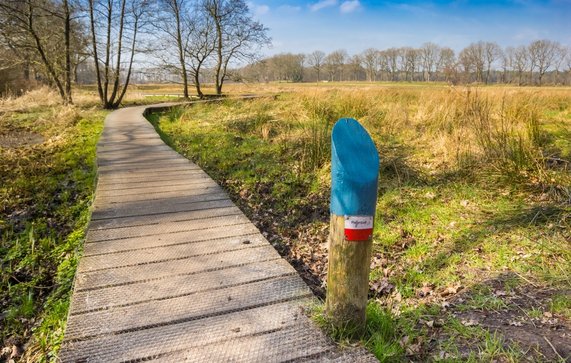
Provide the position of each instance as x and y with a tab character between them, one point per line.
472	257
472	240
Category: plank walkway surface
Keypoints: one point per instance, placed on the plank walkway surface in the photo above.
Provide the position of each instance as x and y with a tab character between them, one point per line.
173	271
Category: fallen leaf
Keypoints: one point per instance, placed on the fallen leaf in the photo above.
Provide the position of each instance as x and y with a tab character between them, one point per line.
413	349
15	352
450	290
5	351
424	291
381	287
470	322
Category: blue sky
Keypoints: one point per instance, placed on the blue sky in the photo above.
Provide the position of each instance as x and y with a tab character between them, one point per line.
303	26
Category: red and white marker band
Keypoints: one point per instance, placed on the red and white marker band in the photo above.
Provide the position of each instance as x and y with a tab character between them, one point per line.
358	228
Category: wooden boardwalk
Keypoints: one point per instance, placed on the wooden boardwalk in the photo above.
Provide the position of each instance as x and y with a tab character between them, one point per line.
173	271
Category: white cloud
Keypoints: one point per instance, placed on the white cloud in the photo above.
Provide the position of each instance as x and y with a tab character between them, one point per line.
258	10
289	8
262	9
350	6
322	4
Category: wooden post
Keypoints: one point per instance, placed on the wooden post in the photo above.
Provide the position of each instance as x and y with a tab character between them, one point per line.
354	182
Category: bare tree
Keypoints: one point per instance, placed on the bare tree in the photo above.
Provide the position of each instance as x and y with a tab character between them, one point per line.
335	62
542	55
370	60
412	59
355	66
472	59
383	66
238	36
200	45
568	63
28	24
491	53
114	27
286	67
560	57
173	22
429	53
315	60
447	63
519	61
392	55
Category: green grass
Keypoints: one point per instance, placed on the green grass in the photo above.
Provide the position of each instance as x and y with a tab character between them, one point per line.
46	190
448	213
381	333
561	304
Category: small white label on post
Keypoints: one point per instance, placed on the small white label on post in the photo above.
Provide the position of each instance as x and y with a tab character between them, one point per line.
358	228
358	222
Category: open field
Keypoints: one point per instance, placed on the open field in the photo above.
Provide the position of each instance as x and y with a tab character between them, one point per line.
472	241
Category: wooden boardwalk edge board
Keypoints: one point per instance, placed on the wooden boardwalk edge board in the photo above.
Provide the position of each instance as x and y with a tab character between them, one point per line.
174	271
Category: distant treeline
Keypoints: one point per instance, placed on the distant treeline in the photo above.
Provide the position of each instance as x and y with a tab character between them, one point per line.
112	43
540	62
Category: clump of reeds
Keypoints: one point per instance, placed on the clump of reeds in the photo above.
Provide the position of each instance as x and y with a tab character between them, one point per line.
39	97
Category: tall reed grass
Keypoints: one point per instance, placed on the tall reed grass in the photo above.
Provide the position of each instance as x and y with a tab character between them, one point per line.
500	131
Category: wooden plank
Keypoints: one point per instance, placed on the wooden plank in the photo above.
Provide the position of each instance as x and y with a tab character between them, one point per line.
185	308
292	343
145	189
158	182
230	219
158	290
170	252
159	270
228	208
161	340
208	236
154	206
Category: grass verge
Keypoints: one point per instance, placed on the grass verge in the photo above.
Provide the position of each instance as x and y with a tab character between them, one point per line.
472	229
47	177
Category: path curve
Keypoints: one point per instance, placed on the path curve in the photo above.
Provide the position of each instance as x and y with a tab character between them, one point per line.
173	271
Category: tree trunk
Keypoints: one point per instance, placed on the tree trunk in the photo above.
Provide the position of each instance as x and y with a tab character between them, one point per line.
219	53
95	55
197	83
119	51
67	35
180	50
39	47
128	77
108	53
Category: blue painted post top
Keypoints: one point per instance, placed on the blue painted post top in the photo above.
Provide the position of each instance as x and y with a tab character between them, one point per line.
354	170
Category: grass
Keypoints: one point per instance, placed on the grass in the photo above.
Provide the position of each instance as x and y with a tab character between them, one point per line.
473	209
474	196
46	190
